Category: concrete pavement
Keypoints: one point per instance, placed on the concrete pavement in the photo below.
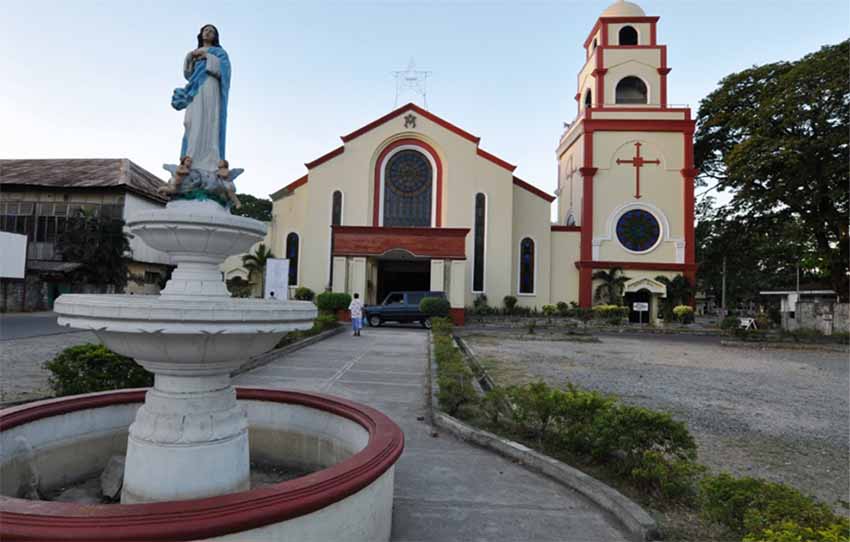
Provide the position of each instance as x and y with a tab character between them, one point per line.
29	324
445	489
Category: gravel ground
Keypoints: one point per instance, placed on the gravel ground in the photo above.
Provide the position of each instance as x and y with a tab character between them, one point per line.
777	414
22	375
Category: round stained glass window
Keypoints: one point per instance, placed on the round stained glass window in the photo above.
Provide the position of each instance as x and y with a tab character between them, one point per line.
638	230
408	173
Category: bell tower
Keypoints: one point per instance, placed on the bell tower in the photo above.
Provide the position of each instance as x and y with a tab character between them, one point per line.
625	164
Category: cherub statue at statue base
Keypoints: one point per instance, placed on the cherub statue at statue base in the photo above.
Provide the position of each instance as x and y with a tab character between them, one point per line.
188	183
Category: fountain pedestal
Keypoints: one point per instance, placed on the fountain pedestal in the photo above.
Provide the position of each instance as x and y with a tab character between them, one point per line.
190	439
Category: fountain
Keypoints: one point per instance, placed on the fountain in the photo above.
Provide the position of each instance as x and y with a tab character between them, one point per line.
190	439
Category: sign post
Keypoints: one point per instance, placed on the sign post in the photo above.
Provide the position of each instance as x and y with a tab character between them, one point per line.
640	307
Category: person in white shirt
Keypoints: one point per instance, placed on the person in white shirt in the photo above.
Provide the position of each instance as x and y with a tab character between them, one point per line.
356	308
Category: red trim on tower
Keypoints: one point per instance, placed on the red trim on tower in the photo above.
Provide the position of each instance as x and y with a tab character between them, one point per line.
586	250
556	227
608	20
533	189
495	159
637	266
411	106
325	157
376	199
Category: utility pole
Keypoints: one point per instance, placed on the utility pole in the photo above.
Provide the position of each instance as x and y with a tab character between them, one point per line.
723	289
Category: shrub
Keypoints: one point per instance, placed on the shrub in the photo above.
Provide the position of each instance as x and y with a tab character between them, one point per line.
305	294
752	506
762	321
684	313
584	314
510	303
730	322
441	326
324	322
613	314
632	431
531	325
493	405
332	301
535	406
480	306
666	478
549	310
87	368
577	410
790	531
563	309
453	375
434	306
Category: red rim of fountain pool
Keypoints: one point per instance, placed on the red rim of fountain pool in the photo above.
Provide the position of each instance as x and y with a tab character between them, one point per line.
201	518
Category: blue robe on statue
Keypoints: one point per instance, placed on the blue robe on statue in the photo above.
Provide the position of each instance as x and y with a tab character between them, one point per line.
205	100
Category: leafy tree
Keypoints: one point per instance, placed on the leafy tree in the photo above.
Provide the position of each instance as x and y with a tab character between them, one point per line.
256	208
611	289
100	244
256	263
679	292
776	136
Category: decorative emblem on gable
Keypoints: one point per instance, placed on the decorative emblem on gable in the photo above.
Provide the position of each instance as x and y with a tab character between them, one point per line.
410	120
653	286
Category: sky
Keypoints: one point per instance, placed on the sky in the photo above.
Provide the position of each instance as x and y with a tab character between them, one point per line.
93	79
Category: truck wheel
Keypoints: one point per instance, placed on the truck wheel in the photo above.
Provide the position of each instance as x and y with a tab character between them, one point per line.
426	323
375	321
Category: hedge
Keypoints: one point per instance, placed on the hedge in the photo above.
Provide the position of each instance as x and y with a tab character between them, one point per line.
89	368
332	301
434	306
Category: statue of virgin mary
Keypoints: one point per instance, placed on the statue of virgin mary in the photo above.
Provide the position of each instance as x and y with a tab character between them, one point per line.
207	70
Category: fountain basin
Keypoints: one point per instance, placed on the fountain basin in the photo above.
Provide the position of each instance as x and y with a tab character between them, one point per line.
350	498
209	335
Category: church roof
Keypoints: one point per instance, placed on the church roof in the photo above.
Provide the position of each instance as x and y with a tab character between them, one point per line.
81	173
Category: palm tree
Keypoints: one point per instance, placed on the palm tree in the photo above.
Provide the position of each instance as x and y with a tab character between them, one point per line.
612	285
679	292
256	263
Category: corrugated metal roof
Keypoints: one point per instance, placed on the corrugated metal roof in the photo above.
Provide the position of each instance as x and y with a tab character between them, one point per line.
81	173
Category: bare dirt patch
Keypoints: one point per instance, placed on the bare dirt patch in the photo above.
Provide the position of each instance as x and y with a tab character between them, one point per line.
776	414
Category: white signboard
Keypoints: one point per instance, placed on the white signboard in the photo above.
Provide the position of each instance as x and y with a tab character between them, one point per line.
277	279
13	247
640	307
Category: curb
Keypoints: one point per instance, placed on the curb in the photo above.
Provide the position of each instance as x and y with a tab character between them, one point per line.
786	346
637	522
272	355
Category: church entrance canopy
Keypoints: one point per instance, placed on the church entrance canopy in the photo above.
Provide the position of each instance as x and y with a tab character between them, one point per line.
430	243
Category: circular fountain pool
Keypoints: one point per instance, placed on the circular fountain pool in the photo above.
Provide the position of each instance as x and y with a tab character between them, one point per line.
351	448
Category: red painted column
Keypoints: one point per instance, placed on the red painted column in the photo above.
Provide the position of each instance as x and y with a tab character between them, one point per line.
585	284
689	172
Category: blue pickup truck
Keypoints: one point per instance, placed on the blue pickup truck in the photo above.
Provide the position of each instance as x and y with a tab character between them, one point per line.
400	307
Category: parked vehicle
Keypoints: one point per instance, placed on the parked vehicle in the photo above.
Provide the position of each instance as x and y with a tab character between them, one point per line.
400	307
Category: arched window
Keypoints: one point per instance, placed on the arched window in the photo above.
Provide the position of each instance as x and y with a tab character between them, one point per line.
628	36
631	90
588	99
292	256
526	266
336	220
593	47
336	208
408	180
478	249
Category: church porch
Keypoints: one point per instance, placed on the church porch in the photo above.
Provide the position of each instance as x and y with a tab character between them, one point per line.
375	261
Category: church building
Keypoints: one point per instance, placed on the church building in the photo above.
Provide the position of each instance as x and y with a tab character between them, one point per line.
412	201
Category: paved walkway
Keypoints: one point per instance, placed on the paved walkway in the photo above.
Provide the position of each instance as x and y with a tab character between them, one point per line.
445	489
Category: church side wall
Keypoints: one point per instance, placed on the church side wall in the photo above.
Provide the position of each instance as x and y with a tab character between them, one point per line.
289	216
661	188
573	158
531	219
563	274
